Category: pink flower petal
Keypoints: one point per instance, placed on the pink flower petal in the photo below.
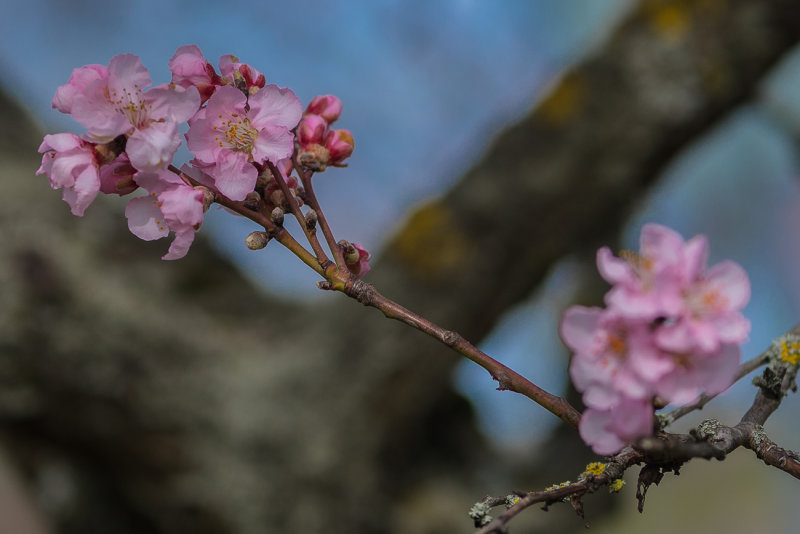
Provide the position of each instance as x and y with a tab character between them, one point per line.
275	105
578	326
145	219
153	147
595	432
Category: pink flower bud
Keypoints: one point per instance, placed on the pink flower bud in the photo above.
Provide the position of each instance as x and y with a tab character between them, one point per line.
116	178
190	68
241	75
340	146
311	131
328	107
356	258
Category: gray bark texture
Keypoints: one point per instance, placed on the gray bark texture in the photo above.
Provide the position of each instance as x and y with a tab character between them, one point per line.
143	396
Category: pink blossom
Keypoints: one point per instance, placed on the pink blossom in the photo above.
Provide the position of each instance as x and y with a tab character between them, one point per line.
189	68
81	79
172	205
70	163
612	358
608	431
646	284
339	144
118	105
357	259
711	313
695	374
311	131
116	178
241	75
328	107
671	329
235	131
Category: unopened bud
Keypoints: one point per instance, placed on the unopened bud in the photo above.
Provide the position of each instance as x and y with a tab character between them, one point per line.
311	131
311	219
277	216
356	258
257	240
252	200
339	144
208	197
326	106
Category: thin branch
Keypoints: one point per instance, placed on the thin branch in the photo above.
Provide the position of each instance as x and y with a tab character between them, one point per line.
507	378
311	199
614	469
309	231
276	232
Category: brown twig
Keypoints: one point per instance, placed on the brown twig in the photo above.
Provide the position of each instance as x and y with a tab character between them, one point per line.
507	378
311	200
309	231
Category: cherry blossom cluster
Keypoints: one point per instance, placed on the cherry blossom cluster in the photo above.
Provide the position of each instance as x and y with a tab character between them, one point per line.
241	132
670	332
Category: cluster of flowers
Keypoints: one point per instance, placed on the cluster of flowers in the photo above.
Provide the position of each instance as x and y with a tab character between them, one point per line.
670	331
240	129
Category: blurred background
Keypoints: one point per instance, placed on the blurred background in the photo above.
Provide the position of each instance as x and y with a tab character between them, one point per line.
498	144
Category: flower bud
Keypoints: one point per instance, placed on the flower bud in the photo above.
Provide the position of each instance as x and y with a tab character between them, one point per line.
117	177
356	258
311	219
277	216
339	144
326	106
257	240
252	200
311	131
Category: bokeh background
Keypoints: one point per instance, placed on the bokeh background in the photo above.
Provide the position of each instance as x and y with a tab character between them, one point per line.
427	86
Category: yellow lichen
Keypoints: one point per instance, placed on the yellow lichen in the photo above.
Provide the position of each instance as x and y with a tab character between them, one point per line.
431	245
669	20
558	486
594	468
789	351
564	101
616	485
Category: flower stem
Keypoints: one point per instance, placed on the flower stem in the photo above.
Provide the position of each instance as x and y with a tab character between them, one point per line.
311	200
310	232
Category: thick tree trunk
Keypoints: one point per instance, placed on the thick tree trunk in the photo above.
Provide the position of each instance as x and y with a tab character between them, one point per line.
146	396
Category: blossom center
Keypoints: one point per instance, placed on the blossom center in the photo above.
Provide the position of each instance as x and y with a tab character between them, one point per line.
236	133
132	104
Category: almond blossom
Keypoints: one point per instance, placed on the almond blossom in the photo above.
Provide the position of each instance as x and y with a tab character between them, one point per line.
113	102
190	69
172	205
671	330
71	164
234	132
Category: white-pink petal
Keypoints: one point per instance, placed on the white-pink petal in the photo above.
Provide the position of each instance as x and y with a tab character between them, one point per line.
275	105
578	326
145	219
154	146
729	280
173	103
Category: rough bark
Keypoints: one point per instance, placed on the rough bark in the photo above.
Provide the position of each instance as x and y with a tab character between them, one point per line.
173	397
